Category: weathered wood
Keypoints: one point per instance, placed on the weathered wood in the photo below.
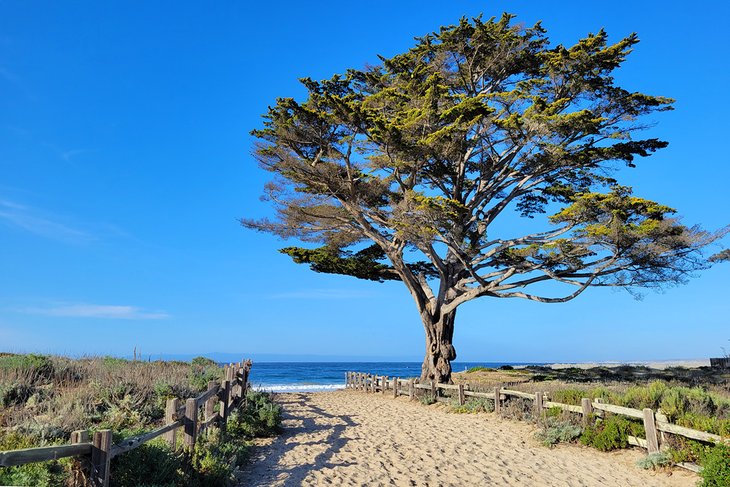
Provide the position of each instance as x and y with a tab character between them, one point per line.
524	395
633	413
452	387
80	436
586	409
498	400
385	384
598	412
687	432
485	395
564	407
396	384
211	392
224	396
191	423
207	423
78	476
434	393
100	458
689	466
462	398
426	387
171	408
133	442
210	409
636	441
412	389
42	454
538	405
652	440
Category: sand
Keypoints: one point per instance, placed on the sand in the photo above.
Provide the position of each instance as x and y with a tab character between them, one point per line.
354	438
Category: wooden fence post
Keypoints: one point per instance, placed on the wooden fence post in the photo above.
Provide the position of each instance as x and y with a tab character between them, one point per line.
462	398
652	440
396	380
538	406
100	458
170	411
80	436
497	400
210	402
223	397
587	407
373	383
433	389
385	384
191	422
411	389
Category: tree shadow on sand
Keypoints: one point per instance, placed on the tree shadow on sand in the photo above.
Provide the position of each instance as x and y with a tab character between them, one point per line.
268	468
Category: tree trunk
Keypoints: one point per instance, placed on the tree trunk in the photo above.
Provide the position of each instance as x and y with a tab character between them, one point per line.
439	348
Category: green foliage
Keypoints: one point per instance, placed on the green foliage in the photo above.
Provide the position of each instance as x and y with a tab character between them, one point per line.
479	368
427	399
716	467
611	433
555	431
152	464
34	367
43	474
259	417
202	371
654	461
473	405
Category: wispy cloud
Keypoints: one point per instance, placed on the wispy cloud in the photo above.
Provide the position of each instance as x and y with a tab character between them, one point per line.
33	221
321	294
106	311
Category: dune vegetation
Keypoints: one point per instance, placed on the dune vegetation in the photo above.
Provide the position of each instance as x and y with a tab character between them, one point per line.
44	398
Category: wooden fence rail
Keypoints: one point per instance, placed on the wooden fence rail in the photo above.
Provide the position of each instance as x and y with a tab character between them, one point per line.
654	422
99	450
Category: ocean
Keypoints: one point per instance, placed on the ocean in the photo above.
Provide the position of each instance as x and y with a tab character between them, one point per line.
329	376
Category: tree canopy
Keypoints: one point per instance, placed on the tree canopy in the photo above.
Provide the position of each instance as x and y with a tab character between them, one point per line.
399	172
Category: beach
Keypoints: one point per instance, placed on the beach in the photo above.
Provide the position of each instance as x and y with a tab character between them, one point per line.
353	438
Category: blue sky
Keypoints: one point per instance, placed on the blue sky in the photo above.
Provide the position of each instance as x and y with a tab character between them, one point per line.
125	163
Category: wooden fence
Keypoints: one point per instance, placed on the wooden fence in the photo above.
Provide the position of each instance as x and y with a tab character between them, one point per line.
656	424
98	450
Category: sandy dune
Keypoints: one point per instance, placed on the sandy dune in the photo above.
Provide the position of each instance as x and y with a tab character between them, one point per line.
354	438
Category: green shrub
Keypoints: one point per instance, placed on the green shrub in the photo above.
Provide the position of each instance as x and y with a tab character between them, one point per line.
33	367
716	467
259	417
478	405
478	368
152	464
654	461
556	431
202	371
611	433
427	399
41	474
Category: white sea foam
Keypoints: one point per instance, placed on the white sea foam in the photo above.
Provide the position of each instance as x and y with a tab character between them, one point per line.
298	387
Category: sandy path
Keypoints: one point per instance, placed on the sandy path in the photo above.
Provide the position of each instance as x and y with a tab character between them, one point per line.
353	438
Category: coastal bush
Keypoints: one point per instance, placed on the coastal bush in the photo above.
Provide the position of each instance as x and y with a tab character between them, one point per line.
556	431
41	474
427	399
654	461
259	417
716	466
611	433
478	368
152	464
518	408
475	405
